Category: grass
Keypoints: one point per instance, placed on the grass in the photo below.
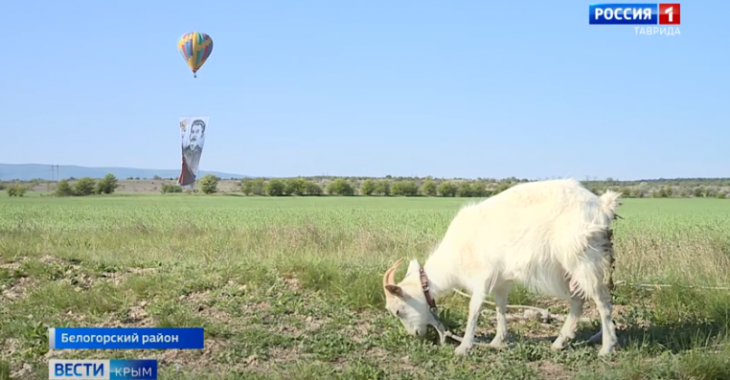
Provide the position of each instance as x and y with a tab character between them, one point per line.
291	288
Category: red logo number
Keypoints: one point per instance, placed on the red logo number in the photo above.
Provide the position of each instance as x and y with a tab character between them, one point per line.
669	14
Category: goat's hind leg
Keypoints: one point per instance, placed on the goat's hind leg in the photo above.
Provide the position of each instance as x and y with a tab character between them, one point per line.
608	329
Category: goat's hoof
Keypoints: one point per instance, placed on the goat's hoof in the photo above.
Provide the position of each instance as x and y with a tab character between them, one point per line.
560	343
462	350
605	351
557	347
501	345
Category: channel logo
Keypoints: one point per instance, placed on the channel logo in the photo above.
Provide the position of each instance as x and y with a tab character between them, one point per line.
113	369
634	14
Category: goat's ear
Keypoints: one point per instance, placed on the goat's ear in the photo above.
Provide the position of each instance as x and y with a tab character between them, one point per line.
413	267
394	290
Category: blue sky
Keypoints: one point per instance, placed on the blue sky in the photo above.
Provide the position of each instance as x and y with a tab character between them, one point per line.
444	88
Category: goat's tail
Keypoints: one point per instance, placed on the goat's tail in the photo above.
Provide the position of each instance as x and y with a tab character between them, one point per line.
609	203
593	270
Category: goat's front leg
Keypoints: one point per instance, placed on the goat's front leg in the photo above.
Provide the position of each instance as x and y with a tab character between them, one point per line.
571	323
475	305
500	299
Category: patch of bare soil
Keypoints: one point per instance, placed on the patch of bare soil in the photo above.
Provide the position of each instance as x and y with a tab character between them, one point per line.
19	370
134	316
16	291
74	274
10	266
9	347
312	324
358	331
407	365
48	259
201	303
214	360
550	370
25	372
193	359
276	357
117	278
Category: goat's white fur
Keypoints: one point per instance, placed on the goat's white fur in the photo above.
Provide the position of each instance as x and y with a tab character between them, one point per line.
549	235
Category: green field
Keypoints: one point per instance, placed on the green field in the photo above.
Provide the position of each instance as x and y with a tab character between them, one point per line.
291	288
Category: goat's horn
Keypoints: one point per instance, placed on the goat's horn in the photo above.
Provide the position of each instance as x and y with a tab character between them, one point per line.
385	276
389	276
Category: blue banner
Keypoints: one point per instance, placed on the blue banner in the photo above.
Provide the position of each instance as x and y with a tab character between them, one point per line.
125	338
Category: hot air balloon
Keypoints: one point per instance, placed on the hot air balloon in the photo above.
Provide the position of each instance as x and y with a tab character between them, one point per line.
195	48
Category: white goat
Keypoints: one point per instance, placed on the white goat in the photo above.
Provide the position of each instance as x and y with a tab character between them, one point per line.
552	236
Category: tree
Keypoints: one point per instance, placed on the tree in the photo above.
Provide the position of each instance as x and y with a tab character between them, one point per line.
252	186
169	188
502	187
428	188
367	187
478	189
63	189
209	184
637	193
107	185
15	190
275	187
312	188
84	186
407	188
382	187
295	186
464	189
340	187
447	189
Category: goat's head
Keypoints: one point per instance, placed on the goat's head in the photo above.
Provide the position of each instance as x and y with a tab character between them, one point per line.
407	301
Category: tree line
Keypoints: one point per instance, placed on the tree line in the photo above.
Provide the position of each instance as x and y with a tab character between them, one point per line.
369	187
430	187
81	187
389	186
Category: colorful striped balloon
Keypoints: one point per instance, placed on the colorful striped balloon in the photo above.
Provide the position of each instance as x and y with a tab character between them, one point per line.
195	48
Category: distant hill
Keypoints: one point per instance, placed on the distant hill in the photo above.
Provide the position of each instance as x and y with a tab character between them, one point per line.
25	172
